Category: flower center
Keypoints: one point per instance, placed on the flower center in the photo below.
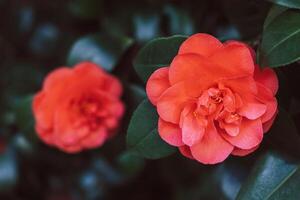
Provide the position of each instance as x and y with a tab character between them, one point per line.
90	113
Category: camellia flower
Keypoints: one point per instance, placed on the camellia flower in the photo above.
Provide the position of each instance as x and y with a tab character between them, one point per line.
78	108
213	100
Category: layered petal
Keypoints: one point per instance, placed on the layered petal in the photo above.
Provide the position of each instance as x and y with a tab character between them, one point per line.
212	148
170	133
192	129
186	151
157	84
267	77
172	102
201	43
243	152
265	95
250	135
236	58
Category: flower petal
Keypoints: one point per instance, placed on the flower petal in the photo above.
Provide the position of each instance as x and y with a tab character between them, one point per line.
212	148
172	102
186	151
250	135
192	67
235	57
94	139
267	77
231	129
265	95
192	130
201	43
243	152
252	110
157	84
170	133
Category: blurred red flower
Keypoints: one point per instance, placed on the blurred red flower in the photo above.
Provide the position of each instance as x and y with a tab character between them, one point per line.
78	108
213	100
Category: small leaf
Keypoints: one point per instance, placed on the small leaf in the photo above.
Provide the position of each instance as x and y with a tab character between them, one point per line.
281	40
273	178
102	49
142	135
287	3
155	54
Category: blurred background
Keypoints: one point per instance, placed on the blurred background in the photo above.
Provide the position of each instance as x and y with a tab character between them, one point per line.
38	36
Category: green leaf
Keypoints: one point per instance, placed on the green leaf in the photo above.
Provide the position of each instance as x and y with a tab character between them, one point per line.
102	49
273	13
281	40
142	135
287	3
130	163
272	178
156	54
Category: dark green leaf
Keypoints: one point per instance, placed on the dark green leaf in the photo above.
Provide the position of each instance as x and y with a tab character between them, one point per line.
155	54
287	3
130	163
273	177
273	13
102	49
142	135
281	40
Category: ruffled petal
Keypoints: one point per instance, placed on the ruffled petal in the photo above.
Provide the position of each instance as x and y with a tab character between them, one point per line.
157	84
172	102
267	77
250	135
212	148
192	130
235	57
201	43
243	152
252	109
95	138
265	95
57	78
170	133
231	129
192	67
186	151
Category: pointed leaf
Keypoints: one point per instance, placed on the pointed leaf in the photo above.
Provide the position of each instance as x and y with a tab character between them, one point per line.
142	135
156	54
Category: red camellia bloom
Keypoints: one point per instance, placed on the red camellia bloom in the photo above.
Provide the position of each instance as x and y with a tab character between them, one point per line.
213	100
78	108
